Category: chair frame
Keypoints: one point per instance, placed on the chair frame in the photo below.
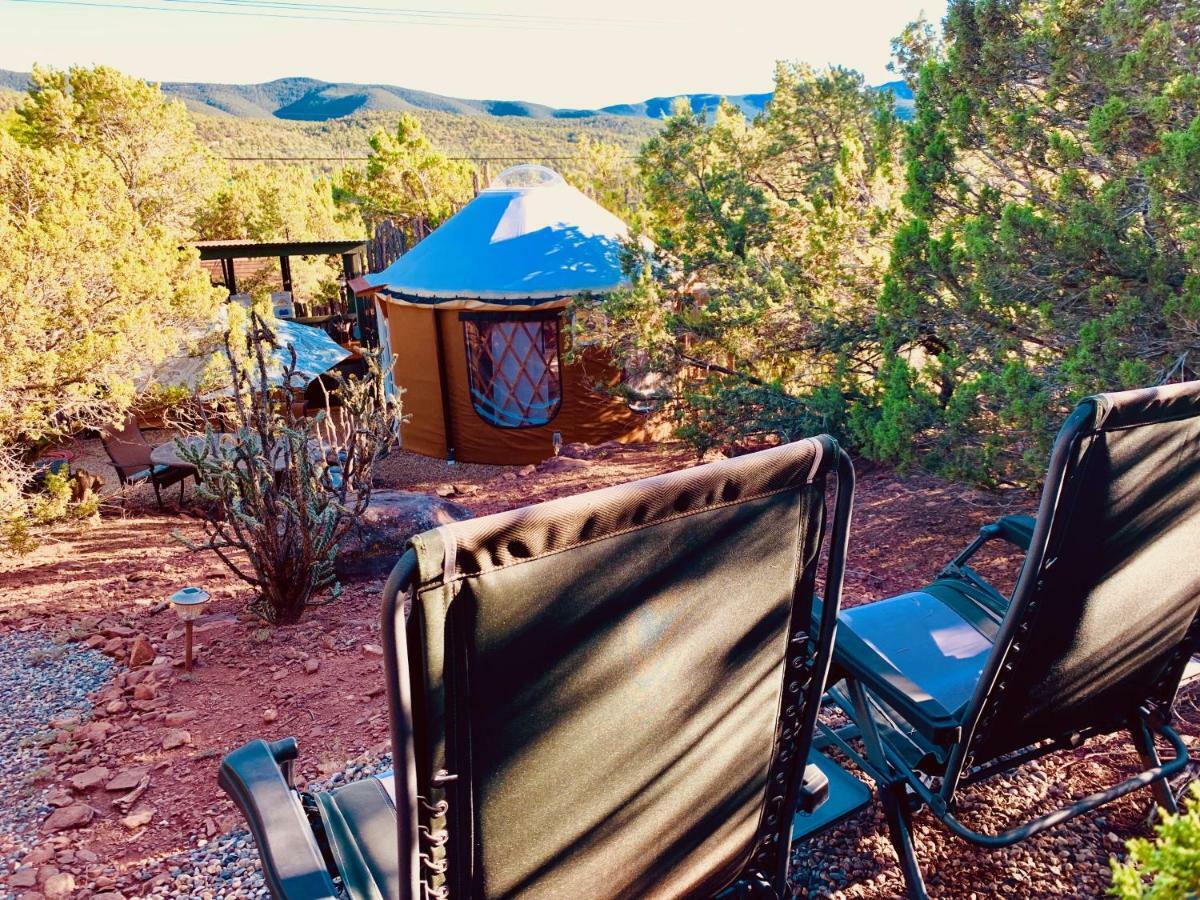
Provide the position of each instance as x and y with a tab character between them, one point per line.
158	480
751	883
296	864
901	787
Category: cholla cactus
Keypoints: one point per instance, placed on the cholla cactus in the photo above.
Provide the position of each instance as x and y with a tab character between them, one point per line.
282	489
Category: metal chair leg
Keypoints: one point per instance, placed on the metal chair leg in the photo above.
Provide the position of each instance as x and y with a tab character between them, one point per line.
157	492
899	819
1143	740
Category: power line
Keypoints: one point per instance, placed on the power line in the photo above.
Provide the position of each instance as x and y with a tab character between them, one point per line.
264	9
526	156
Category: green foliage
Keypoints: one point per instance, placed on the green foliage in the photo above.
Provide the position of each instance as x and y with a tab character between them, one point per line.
91	269
605	172
1052	248
407	178
281	203
1167	867
770	238
149	141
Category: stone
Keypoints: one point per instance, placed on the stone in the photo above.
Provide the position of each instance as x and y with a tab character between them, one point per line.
95	642
526	471
269	715
108	895
89	778
372	650
127	779
74	816
392	517
125	803
115	707
179	717
59	798
138	818
60	885
147	690
141	653
38	855
311	665
175	737
45	873
23	878
564	464
445	490
113	646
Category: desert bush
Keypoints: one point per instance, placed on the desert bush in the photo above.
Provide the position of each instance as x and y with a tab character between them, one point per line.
280	490
1166	867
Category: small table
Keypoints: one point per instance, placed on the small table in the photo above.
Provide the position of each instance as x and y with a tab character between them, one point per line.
168	454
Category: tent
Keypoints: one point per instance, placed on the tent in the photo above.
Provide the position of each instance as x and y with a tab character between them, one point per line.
472	322
204	358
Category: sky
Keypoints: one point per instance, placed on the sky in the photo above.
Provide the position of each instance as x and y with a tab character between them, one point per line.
547	51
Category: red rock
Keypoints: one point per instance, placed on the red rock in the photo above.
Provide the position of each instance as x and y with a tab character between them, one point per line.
23	878
179	717
44	873
141	653
175	737
120	631
269	715
445	490
74	816
89	778
67	719
95	642
372	650
113	647
137	676
115	707
38	855
139	817
127	779
311	665
60	885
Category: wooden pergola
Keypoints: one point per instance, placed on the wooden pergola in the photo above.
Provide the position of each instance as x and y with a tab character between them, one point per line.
353	254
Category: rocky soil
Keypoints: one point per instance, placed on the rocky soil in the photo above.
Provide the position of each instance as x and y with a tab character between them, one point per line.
108	750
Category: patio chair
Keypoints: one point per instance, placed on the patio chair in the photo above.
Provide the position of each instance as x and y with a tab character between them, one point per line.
954	683
607	695
129	452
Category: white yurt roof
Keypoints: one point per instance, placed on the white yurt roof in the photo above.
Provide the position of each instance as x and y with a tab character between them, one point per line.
529	236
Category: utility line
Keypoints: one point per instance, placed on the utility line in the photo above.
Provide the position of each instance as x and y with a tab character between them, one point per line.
364	158
380	17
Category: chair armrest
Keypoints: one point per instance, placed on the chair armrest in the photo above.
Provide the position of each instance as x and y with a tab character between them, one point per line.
1017	530
856	658
292	863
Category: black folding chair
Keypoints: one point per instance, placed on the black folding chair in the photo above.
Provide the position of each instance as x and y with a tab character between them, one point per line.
608	695
955	683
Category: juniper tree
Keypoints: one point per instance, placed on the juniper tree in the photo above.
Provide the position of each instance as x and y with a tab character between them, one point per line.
1053	243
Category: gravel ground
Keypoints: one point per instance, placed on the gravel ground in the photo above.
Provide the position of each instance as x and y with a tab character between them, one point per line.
228	866
40	680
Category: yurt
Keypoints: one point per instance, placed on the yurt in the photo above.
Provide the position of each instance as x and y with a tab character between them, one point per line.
473	319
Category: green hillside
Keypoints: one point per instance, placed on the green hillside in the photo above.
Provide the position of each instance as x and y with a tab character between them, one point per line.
455	135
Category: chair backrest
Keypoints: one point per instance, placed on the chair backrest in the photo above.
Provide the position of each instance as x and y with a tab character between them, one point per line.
1104	614
127	448
613	694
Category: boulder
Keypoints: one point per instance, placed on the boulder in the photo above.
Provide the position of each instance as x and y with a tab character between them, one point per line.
141	653
89	778
179	717
175	737
370	550
74	816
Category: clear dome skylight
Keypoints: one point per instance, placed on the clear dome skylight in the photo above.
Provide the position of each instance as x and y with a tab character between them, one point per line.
528	175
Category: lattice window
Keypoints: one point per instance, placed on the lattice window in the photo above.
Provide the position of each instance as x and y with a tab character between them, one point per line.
513	367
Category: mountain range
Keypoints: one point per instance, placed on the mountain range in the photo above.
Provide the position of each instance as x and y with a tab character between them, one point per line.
311	100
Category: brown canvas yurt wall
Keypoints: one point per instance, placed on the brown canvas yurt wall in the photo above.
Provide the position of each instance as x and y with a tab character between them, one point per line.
437	387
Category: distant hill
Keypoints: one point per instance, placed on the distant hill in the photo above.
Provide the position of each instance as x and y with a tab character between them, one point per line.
310	100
